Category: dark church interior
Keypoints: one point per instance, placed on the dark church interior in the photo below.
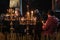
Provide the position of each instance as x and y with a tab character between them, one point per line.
27	20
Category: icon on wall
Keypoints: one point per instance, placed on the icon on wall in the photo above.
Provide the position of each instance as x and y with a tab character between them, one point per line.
16	4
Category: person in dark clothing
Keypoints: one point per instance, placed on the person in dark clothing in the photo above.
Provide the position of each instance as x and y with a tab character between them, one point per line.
38	27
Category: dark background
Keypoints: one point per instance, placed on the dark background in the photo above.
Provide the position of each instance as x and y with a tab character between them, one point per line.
39	4
4	4
42	5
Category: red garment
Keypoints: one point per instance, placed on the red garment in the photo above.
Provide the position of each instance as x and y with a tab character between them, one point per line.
49	25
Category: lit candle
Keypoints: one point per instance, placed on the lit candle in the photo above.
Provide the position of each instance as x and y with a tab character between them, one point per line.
22	19
31	14
16	13
28	15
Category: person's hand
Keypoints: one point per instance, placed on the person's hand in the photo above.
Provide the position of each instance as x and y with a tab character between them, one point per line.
43	22
44	27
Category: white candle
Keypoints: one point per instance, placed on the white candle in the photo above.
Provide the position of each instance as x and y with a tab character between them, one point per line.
31	13
22	19
28	15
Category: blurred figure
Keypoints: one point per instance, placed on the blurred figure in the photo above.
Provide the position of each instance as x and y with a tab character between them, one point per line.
36	11
38	27
50	26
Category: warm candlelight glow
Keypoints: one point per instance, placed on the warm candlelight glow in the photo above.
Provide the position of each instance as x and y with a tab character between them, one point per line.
32	12
7	15
27	13
35	19
31	15
16	13
22	19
